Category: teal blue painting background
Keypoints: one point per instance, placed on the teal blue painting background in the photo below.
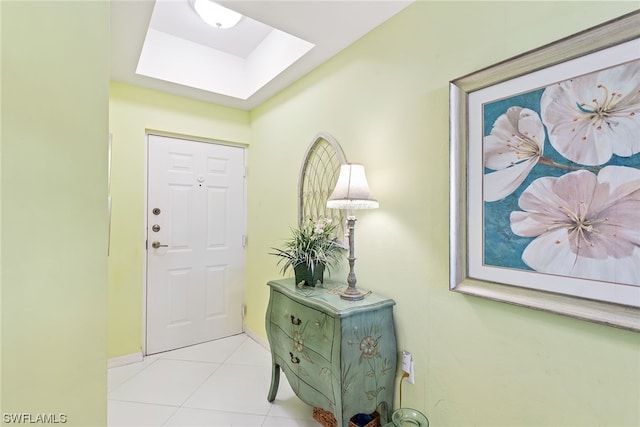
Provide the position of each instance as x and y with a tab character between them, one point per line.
503	248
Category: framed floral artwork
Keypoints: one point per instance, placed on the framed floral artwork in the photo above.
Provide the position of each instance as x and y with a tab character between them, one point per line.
545	177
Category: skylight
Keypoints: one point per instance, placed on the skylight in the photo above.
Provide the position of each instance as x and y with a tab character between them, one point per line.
180	48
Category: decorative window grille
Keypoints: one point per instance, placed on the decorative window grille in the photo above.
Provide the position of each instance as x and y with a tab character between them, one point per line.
318	177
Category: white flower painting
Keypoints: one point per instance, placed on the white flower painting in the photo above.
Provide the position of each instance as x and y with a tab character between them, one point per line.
512	149
592	117
561	185
584	225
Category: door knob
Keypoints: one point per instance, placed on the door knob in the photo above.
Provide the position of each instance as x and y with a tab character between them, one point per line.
157	245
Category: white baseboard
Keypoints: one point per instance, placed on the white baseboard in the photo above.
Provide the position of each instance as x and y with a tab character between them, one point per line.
127	359
257	338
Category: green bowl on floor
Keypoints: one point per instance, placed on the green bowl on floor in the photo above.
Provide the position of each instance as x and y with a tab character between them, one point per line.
407	417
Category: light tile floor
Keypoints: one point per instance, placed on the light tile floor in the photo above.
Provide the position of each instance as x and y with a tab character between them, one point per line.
219	383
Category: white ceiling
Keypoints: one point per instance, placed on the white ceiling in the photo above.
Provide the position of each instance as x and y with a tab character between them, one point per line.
319	30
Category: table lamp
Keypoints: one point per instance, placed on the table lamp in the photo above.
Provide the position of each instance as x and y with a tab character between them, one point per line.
351	193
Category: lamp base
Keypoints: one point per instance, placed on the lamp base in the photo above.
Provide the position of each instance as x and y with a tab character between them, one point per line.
352	294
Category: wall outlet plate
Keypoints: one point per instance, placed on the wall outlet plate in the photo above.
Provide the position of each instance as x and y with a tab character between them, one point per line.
406	362
407	366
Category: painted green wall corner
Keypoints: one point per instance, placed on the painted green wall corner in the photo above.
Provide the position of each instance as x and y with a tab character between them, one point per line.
54	210
134	111
385	99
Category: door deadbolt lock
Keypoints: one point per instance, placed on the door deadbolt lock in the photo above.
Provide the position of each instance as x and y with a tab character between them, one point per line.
155	228
156	211
157	245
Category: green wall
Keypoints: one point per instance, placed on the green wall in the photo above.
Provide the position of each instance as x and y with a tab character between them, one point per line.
55	79
385	99
134	111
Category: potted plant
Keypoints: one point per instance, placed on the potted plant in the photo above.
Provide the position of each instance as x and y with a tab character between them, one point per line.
311	249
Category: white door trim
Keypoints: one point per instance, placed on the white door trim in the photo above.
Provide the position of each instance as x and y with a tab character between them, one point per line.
145	237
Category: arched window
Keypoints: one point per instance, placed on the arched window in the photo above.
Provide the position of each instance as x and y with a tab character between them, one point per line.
318	177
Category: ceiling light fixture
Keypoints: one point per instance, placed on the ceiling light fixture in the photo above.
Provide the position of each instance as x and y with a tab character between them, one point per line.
216	15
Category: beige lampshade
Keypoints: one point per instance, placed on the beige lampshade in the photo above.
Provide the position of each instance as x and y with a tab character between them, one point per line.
352	190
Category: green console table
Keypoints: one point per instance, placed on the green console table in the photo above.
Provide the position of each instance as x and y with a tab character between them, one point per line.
337	355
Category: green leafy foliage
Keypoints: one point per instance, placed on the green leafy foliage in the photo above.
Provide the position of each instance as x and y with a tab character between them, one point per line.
312	243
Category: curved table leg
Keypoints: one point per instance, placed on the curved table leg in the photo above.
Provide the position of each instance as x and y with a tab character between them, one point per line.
275	381
383	410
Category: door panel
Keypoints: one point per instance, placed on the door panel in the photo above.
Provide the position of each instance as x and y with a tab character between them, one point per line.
195	278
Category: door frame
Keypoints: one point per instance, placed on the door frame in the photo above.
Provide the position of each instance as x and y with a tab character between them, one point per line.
145	237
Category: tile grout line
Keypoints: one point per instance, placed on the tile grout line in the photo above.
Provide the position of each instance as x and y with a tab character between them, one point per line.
227	362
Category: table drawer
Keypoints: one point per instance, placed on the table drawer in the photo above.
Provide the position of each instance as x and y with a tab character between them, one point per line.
307	327
304	365
316	373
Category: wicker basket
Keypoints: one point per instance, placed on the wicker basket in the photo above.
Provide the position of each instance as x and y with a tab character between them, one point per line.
327	419
375	421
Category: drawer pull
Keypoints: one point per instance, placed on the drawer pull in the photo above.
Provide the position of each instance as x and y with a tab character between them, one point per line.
294	359
295	320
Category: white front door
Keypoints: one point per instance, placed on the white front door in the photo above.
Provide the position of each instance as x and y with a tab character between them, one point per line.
195	242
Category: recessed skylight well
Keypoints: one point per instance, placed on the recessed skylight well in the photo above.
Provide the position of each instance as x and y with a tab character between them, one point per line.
180	48
243	66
